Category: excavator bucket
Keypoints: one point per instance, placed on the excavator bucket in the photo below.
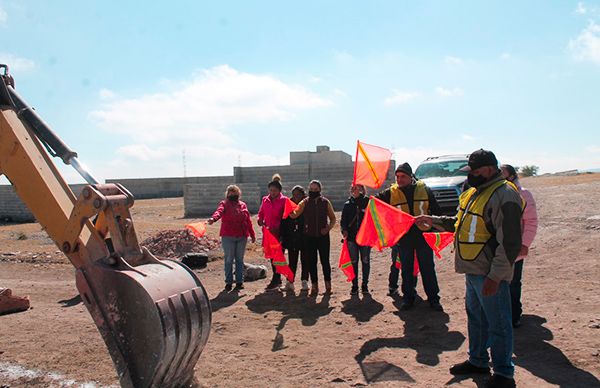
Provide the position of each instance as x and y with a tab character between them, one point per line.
155	319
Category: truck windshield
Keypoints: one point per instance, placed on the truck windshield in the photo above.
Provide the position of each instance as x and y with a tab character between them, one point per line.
441	169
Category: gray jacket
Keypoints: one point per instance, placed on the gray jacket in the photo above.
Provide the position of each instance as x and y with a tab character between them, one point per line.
502	216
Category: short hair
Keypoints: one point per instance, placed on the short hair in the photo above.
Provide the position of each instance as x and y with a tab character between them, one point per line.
299	188
316	182
233	188
276	184
511	170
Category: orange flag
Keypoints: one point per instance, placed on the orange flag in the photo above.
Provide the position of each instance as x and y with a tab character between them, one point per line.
346	263
438	241
289	207
371	165
273	250
383	225
198	228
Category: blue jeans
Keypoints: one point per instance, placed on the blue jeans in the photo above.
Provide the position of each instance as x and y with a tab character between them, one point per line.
234	249
355	251
489	326
426	267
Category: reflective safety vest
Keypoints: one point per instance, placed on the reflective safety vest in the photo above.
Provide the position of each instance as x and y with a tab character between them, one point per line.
471	231
420	200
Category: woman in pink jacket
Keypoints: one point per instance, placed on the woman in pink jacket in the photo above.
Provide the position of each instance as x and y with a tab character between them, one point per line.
529	224
236	227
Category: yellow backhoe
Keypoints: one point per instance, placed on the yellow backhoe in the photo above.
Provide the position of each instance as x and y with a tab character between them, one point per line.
154	315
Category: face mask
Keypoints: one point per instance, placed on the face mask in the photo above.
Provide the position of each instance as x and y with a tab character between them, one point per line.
476	181
314	194
233	198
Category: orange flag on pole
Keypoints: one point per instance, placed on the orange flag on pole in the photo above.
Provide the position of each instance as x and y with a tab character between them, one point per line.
346	263
438	241
289	207
383	225
198	228
273	251
371	165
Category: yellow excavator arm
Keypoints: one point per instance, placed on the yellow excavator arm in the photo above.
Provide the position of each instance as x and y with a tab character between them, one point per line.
154	315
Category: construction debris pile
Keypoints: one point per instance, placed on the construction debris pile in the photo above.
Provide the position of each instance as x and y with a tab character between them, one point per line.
174	244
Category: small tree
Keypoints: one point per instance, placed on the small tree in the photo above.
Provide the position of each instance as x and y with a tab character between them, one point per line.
529	170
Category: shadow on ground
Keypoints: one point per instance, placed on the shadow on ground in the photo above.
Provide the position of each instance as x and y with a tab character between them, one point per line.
542	359
425	331
302	307
362	309
74	301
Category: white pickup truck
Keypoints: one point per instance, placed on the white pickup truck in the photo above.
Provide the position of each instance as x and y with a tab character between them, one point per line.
443	176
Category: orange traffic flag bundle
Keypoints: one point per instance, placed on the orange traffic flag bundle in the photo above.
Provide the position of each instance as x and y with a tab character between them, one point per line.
273	250
371	165
383	225
289	207
345	263
438	241
198	228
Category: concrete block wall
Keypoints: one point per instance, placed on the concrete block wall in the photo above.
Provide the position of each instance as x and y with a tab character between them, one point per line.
200	200
166	187
14	210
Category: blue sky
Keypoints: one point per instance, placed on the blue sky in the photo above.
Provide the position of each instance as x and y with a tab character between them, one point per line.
132	85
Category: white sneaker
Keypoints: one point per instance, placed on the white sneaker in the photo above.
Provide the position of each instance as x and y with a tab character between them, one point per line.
289	286
305	285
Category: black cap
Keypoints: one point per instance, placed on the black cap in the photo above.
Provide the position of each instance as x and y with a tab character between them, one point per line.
405	168
479	159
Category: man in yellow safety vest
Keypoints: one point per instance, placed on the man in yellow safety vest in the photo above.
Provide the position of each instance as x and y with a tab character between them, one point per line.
487	242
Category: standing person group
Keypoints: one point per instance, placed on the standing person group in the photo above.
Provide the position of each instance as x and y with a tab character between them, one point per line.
414	197
236	227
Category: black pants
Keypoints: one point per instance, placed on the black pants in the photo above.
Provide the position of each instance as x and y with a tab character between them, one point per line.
318	246
293	259
395	272
427	268
276	279
515	292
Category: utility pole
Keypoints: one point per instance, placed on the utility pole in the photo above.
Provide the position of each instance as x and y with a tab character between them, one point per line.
184	163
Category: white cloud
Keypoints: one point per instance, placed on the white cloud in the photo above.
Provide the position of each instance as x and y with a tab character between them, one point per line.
3	17
340	93
198	115
106	94
205	107
400	97
15	63
444	92
580	10
450	60
586	47
505	56
593	149
467	137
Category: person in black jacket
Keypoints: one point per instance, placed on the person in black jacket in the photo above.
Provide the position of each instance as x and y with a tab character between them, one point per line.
413	197
352	216
292	239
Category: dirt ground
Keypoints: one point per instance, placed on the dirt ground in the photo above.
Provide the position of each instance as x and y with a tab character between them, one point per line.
287	340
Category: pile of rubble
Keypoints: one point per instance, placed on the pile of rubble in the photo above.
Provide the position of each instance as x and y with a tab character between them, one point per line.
176	243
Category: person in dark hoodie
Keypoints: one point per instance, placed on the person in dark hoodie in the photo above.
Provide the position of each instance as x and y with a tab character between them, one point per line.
414	197
352	216
319	219
292	239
